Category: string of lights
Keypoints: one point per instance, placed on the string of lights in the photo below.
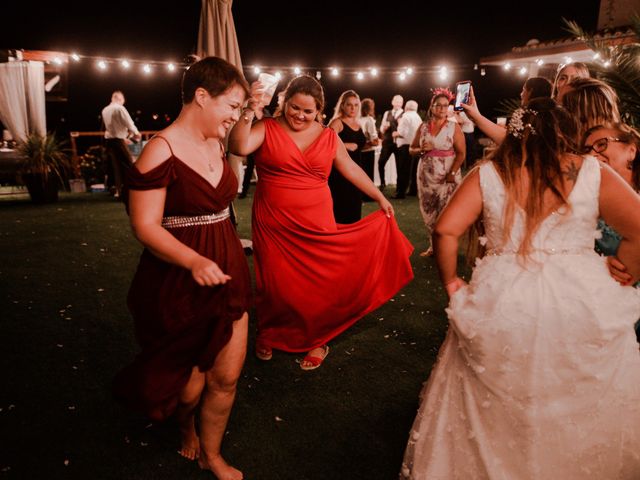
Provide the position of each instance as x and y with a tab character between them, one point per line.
404	73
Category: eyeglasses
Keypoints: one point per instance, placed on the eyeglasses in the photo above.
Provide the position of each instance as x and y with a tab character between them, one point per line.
600	145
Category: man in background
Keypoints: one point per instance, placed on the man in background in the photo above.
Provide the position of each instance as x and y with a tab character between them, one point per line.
119	130
389	125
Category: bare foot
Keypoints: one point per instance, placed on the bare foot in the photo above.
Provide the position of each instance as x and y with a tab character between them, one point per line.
221	469
190	443
427	253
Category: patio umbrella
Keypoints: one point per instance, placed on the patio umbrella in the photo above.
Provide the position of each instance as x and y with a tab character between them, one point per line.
217	32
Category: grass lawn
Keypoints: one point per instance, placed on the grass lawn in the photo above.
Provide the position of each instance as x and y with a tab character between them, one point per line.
64	273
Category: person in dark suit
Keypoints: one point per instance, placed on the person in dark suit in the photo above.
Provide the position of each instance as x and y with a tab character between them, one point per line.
387	127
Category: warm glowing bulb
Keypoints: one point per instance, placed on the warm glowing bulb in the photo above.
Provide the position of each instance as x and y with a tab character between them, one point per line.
359	75
125	64
523	70
102	65
507	66
297	70
257	70
57	61
409	70
568	60
335	72
539	61
146	68
596	56
374	72
171	67
278	75
403	76
75	57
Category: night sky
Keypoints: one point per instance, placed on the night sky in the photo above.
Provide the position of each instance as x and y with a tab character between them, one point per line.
319	34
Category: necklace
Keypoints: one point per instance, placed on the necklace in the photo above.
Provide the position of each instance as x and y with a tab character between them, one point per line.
210	165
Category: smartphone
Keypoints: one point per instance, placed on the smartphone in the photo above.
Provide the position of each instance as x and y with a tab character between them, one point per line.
463	91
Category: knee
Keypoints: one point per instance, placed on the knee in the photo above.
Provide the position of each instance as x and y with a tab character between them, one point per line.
222	383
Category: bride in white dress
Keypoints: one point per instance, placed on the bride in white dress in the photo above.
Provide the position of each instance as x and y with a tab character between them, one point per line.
539	375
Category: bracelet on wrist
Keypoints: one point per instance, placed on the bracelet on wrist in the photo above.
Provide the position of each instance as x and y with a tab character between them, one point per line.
248	114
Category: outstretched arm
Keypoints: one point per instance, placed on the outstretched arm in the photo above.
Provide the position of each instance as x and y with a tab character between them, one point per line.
493	131
352	172
462	211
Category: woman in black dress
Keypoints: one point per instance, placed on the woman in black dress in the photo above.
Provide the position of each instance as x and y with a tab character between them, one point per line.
347	199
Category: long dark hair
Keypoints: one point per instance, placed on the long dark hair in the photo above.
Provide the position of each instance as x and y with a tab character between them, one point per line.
538	137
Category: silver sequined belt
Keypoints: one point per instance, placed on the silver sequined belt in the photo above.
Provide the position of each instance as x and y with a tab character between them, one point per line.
546	251
178	221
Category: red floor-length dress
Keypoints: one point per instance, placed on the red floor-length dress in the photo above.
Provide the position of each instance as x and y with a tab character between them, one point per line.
315	278
178	323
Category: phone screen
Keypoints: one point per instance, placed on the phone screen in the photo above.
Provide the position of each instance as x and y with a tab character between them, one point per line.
462	94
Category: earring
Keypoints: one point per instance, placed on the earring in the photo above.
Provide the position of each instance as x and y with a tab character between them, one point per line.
630	165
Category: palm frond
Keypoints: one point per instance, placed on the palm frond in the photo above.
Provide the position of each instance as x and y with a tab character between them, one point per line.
507	106
622	72
44	154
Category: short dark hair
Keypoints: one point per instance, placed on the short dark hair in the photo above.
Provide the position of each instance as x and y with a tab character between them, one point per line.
213	74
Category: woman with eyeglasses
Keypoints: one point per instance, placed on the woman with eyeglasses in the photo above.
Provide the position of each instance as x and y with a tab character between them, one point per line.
441	146
619	147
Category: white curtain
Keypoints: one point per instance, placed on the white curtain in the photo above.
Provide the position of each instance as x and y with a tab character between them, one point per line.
22	98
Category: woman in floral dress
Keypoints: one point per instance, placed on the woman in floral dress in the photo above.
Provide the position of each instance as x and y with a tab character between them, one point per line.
440	144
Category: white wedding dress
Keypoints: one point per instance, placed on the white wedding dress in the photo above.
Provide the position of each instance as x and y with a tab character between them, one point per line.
539	374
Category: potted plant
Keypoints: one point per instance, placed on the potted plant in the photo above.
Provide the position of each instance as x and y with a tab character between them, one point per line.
43	166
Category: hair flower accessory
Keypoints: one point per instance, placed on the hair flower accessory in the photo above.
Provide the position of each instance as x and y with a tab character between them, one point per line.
443	91
516	125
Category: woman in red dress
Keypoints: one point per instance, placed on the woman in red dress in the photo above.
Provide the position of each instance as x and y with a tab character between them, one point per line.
314	278
190	295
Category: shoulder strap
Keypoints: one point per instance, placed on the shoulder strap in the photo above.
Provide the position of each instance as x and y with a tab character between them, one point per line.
166	141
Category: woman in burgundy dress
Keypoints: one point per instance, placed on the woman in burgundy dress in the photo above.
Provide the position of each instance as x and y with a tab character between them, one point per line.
314	278
190	295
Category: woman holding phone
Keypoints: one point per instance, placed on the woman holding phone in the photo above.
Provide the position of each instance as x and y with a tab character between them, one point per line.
441	146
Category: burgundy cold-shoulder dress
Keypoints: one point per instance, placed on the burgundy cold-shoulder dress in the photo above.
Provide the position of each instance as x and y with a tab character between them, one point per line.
178	323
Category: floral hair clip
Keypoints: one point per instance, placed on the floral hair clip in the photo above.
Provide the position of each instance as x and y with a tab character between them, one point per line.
516	126
443	91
